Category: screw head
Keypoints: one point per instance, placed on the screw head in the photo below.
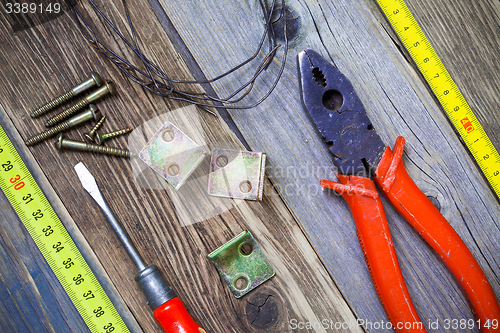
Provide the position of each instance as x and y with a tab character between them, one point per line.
95	112
58	142
97	78
111	87
99	138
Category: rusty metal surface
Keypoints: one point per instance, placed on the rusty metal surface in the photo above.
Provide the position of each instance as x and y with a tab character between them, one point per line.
172	154
236	174
242	264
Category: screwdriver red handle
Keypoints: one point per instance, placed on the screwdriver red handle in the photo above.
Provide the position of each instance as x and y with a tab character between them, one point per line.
168	310
174	318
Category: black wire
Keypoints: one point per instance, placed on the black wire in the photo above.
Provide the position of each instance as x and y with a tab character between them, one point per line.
158	82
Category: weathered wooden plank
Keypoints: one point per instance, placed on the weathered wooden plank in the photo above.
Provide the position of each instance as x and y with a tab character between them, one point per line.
398	104
46	60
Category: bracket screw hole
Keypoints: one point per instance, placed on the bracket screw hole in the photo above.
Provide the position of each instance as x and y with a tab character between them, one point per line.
168	135
221	161
173	169
246	248
245	186
241	283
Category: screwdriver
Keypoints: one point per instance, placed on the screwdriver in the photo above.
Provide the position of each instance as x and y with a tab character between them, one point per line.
168	310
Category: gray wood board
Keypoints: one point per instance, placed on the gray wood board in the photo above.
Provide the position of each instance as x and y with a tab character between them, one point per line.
220	34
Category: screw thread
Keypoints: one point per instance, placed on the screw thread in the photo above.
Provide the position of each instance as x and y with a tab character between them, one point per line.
52	104
90	134
48	133
66	113
117	133
106	136
108	150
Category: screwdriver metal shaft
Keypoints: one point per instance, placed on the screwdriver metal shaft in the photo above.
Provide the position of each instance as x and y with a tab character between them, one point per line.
122	235
168	310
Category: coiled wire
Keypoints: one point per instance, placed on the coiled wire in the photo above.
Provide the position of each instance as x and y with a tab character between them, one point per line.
154	79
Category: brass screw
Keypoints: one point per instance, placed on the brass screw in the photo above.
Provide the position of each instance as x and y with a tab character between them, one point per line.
92	113
61	143
90	135
107	88
93	80
101	137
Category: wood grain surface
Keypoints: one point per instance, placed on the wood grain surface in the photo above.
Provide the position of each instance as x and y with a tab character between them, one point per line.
397	102
302	287
306	233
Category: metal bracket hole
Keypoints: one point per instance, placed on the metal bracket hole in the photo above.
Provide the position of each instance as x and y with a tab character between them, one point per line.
173	169
168	135
246	249
241	282
245	186
221	161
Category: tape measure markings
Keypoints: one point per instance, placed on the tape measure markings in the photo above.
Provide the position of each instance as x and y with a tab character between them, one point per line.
444	88
55	243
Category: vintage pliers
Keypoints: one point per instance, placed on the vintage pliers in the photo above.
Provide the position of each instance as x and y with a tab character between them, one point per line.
362	160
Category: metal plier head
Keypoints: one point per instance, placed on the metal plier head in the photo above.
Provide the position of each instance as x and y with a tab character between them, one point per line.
339	116
341	119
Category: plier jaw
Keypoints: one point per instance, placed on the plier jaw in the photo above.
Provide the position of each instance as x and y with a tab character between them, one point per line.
339	115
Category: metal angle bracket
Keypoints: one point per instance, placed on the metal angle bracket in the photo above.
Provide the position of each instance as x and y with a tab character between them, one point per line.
242	264
172	154
237	174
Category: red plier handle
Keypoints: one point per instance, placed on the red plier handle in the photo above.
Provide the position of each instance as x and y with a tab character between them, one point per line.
376	242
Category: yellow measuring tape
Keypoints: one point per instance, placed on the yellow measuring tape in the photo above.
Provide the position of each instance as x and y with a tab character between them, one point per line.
445	89
54	242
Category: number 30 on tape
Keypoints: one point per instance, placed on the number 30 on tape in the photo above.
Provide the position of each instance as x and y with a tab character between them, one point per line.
54	242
